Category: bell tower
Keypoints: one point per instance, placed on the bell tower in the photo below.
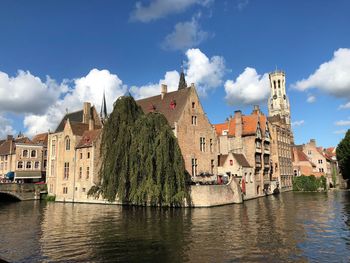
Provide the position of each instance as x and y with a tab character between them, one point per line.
278	101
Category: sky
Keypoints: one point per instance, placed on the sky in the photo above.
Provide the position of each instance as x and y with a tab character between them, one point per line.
54	55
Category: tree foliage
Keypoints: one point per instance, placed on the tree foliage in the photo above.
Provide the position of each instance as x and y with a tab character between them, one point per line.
309	183
141	159
343	155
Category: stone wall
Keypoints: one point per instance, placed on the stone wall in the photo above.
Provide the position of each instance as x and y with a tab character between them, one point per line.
215	195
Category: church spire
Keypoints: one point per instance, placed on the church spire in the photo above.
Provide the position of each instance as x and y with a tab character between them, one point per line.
182	81
103	113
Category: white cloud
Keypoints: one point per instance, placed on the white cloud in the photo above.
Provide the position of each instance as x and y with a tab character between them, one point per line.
6	127
340	132
185	35
20	94
89	88
206	73
342	123
311	99
248	88
161	8
298	123
241	4
332	77
345	106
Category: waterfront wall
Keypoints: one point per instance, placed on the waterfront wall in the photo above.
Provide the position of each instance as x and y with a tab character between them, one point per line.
23	191
215	195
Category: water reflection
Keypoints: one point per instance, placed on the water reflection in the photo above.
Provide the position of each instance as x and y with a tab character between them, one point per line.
286	228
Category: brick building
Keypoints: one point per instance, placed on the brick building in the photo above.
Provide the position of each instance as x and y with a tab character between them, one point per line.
196	136
249	135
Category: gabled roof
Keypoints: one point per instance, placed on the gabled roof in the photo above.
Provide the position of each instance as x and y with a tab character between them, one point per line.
78	128
2	141
171	106
76	116
40	139
301	156
240	158
88	138
5	147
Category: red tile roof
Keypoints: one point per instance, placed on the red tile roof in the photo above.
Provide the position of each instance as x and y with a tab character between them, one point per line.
79	128
249	125
88	138
40	139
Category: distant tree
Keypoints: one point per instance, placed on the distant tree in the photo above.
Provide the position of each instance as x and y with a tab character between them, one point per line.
343	155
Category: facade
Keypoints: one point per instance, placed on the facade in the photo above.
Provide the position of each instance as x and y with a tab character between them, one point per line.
281	152
281	132
64	159
195	134
235	165
22	160
249	135
301	163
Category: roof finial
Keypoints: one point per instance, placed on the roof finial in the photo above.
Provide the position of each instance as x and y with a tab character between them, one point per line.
182	81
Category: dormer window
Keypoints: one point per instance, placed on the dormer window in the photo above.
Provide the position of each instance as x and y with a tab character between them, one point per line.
173	104
224	132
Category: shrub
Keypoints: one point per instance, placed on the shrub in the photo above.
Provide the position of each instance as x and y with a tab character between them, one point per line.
309	183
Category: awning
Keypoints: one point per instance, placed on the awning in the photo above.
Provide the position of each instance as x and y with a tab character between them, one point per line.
28	175
10	175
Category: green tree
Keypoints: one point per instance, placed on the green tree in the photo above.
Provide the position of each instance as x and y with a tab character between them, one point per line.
141	159
343	155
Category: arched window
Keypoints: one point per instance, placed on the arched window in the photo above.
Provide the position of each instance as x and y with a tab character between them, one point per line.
279	83
274	83
29	165
67	143
36	165
20	165
33	153
25	153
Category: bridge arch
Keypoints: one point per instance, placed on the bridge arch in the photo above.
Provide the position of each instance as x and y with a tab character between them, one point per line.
9	196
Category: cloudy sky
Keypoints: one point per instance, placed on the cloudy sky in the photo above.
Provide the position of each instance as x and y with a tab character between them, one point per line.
56	54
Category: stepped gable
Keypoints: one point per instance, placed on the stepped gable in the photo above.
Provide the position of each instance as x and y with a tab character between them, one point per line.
171	105
88	138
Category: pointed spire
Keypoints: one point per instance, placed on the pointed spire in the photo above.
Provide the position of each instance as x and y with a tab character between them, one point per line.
103	113
182	81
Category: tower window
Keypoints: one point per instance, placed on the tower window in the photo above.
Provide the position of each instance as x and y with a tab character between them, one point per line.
279	83
274	83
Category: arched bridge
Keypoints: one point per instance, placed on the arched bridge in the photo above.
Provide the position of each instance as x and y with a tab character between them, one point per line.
21	192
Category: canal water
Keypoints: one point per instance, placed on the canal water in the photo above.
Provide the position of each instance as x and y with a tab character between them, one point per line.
290	227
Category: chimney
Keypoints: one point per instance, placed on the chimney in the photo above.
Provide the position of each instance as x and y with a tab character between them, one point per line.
163	91
313	142
86	112
238	123
91	125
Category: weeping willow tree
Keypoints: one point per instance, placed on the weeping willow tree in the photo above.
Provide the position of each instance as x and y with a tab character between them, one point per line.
141	159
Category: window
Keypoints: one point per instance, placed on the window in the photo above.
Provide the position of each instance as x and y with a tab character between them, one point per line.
320	161
53	149
65	190
258	158
81	155
36	165
194	167
66	170
274	83
29	165
88	155
193	104
87	172
45	164
194	120
211	145
45	153
309	152
67	143
20	165
25	153
279	83
83	189
52	168
224	132
202	144
80	172
212	166
33	154
321	170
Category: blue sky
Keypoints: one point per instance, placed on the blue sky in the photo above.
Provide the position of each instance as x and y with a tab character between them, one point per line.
56	54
